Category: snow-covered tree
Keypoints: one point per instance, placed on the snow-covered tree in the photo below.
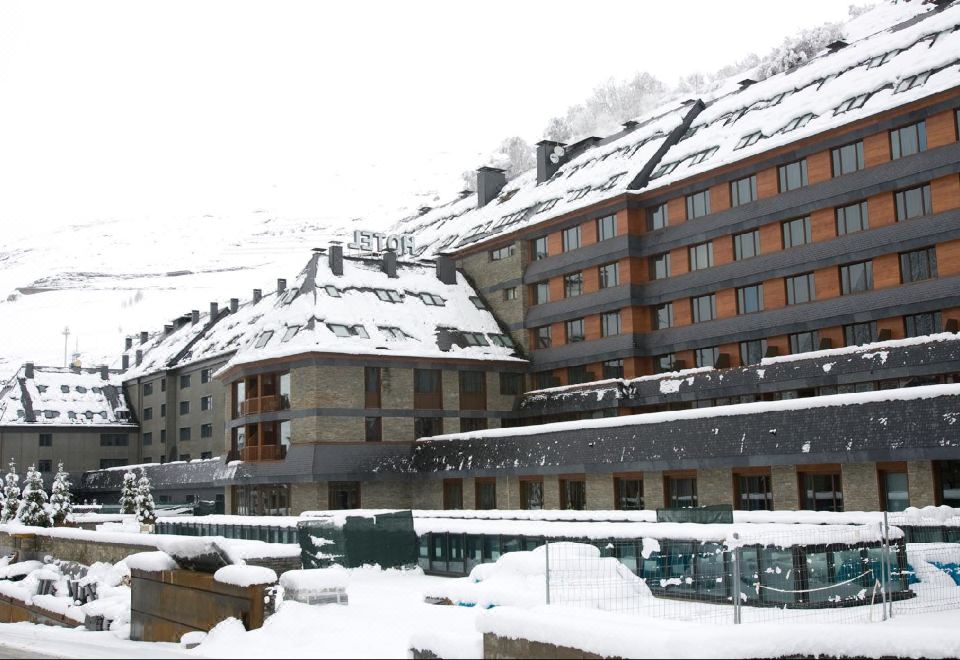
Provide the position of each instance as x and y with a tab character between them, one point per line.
11	494
128	493
60	505
558	130
33	511
146	513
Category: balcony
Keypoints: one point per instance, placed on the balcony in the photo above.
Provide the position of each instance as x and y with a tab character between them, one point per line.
263	453
261	404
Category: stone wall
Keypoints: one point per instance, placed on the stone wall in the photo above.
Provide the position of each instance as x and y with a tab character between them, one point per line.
860	486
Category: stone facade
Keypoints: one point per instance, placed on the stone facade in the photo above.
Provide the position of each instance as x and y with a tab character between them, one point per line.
920	482
715	487
861	490
599	489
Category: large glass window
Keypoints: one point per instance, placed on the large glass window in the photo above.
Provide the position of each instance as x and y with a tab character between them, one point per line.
371	387
856	278
858	334
538	249
531	494
852	218
704	308
754	492
746	245
804	342
706	357
343	495
821	491
796	232
373	429
664	363
544	336
571	238
425	427
847	159
918	325
698	204
752	352
701	256
606	227
908	140
658	217
572	285
610	324
800	289
918	265
628	493
913	203
663	316
609	275
573	494
486	493
541	292
743	191
452	494
262	500
575	331
750	299
681	492
792	175
949	482
426	381
578	374
660	266
510	383
893	490
613	368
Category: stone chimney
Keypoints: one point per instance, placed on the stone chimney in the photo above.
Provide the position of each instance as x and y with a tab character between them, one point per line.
125	361
234	305
257	295
490	181
546	167
143	336
446	270
195	316
139	357
389	265
214	310
28	371
104	372
128	343
281	286
167	329
336	260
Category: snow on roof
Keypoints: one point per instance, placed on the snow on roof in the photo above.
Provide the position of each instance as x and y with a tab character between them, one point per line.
601	171
890	68
362	312
63	396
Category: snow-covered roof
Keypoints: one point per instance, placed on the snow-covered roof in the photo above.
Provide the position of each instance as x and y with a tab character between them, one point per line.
63	396
898	54
364	311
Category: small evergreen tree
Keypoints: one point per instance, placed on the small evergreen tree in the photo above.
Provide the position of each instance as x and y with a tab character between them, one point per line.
146	513
128	493
60	505
33	511
11	494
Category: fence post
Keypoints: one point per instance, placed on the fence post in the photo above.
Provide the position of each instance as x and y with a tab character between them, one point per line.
886	564
546	546
735	560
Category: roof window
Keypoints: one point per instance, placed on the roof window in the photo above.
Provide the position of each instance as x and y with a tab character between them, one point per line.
502	340
748	140
478	302
332	291
851	104
798	122
388	295
264	338
393	332
430	299
475	339
290	333
911	81
65	389
880	60
701	156
666	168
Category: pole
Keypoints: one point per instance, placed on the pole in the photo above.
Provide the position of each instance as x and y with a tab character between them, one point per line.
886	561
546	546
735	559
883	569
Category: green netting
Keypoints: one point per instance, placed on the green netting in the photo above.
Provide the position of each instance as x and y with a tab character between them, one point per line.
387	539
716	513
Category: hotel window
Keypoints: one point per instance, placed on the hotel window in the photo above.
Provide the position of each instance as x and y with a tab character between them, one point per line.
698	204
373	429
821	491
502	253
606	227
184	434
538	249
185	381
908	140
206	430
147	414
424	427
453	494
610	324
704	307
804	342
470	424
660	266
701	256
574	330
510	293
918	325
485	492
613	369
571	238
147	439
371	387
949	483
147	389
609	275
184	407
796	232
743	191
752	352
510	383
858	334
544	336
578	374
206	375
573	494
856	278
664	363
792	175
913	203
750	299
894	493
918	265
852	218
531	494
46	440
572	285
206	402
800	289
681	492
847	159
754	492
543	380
343	495
628	493
45	465
706	357
658	217
541	293
663	316
746	245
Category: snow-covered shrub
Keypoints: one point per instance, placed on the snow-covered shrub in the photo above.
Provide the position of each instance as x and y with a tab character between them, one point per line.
33	511
145	509
11	494
128	493
60	505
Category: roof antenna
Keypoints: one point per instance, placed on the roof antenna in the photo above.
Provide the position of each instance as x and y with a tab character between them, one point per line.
66	342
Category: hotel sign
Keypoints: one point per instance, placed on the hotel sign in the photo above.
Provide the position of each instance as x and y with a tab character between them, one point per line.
369	241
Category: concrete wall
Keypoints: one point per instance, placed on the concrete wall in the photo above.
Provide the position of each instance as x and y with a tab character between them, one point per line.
78	448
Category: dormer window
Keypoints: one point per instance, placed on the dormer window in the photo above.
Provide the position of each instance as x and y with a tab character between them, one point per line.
51	414
65	389
478	302
81	389
388	295
430	299
332	291
264	338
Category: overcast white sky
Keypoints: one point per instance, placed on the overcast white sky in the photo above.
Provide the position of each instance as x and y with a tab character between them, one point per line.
316	109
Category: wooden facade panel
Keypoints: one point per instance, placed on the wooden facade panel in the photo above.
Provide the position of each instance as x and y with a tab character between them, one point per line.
827	282
948	258
720	197
771	238
834	334
941	129
774	294
726	303
886	271
767	184
945	193
679	261
894	325
722	250
823	224
881	210
819	168
876	149
677	211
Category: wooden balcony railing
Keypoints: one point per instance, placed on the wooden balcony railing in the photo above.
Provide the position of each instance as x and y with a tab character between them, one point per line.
262	404
263	453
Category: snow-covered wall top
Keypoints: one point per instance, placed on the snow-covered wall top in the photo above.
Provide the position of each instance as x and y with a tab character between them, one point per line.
62	396
364	311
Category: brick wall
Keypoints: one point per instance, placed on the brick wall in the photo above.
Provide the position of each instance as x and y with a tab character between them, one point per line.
860	487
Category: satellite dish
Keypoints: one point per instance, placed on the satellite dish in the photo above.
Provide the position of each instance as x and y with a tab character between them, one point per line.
554	158
558	151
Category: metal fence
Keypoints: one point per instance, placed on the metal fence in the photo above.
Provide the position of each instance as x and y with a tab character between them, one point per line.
266	533
779	574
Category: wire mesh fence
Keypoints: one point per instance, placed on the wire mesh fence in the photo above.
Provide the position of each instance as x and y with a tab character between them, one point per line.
767	573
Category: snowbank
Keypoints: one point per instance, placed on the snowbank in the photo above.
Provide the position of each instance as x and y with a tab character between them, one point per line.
154	562
239	575
316	579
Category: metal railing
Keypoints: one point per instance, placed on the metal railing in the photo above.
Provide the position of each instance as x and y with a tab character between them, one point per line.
265	533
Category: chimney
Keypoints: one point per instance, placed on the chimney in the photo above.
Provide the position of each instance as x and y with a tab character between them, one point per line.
257	295
629	125
214	310
104	372
195	316
234	305
444	339
167	329
423	210
549	158
143	337
389	265
125	361
834	46
490	181
446	271
128	343
139	357
746	82
28	371
336	260
281	286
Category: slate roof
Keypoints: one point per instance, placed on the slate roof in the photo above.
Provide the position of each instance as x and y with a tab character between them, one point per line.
63	396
